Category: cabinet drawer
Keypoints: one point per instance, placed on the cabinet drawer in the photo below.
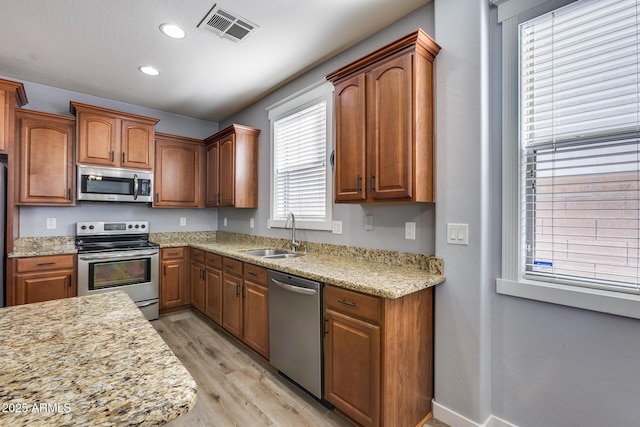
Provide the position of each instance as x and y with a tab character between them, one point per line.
353	303
170	253
197	255
41	263
255	274
232	266
214	261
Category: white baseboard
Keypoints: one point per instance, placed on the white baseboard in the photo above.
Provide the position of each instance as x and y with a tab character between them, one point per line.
454	419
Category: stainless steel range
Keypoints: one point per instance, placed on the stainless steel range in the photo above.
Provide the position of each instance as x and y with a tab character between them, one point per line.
117	256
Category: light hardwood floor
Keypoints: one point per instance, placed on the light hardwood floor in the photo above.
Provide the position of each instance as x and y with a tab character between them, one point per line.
235	386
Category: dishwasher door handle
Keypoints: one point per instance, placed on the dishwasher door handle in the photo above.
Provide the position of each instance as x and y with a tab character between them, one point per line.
292	288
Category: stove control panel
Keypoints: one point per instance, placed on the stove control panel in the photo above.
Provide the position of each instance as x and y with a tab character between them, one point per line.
93	228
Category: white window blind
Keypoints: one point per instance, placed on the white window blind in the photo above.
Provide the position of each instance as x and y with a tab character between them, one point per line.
300	151
579	115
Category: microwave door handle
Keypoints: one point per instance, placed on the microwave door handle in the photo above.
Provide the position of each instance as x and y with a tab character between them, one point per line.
135	186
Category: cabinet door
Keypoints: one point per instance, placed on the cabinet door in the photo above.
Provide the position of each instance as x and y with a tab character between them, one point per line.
352	367
172	286
232	304
136	145
227	172
46	160
177	174
197	286
350	155
389	132
213	295
256	317
43	287
213	171
97	136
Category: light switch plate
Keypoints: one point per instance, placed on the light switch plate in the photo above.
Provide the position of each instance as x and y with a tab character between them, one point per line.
410	230
336	227
457	234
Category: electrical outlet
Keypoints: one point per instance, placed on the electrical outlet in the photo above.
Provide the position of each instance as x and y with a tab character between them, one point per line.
183	221
368	222
457	234
252	223
410	230
336	227
224	222
51	223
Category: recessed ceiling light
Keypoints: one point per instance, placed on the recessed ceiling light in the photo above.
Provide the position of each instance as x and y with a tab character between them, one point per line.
172	31
149	70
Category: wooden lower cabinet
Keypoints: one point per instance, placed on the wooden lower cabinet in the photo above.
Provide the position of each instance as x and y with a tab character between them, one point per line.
44	278
232	287
379	356
256	309
197	279
174	288
213	287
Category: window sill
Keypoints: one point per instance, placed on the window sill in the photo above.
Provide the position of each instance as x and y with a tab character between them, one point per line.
620	304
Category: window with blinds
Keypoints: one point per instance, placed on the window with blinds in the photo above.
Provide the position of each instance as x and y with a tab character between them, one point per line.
300	169
579	115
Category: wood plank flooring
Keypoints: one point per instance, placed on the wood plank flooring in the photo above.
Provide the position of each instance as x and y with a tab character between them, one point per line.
235	386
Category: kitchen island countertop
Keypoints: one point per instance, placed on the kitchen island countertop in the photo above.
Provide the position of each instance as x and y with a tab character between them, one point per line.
92	360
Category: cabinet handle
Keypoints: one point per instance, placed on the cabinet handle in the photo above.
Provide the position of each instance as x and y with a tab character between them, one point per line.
202	276
42	264
237	290
253	273
157	197
69	193
359	183
350	304
122	157
174	253
244	291
373	183
325	330
112	156
230	266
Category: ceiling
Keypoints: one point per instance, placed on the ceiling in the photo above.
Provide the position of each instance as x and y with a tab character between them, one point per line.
96	47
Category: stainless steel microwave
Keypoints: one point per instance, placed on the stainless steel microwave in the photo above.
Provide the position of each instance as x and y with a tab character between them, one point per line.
106	184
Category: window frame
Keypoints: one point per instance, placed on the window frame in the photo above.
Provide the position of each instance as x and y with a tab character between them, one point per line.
512	281
318	92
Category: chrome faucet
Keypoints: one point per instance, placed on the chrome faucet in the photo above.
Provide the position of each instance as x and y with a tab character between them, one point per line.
294	245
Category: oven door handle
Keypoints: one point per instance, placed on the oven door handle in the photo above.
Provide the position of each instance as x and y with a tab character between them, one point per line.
111	255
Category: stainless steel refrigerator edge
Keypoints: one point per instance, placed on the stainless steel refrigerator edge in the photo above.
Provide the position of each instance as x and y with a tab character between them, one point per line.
295	329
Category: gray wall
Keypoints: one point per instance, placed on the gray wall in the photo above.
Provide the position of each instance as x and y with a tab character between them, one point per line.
388	221
33	219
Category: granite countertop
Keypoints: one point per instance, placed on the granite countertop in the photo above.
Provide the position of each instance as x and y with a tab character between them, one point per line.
91	360
370	277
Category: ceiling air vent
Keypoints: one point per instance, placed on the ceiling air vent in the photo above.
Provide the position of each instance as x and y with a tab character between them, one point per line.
227	24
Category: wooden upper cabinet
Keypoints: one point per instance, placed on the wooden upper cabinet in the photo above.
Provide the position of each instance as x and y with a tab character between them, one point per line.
384	124
45	158
178	175
350	139
212	178
232	167
113	138
12	95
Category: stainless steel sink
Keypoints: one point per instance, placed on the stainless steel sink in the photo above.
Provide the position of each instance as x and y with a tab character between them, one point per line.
280	256
266	252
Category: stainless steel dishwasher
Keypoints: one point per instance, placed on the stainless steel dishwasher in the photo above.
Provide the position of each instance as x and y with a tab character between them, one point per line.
295	329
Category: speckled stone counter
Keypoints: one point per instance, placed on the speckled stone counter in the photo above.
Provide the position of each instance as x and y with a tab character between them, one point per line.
92	361
387	274
42	246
